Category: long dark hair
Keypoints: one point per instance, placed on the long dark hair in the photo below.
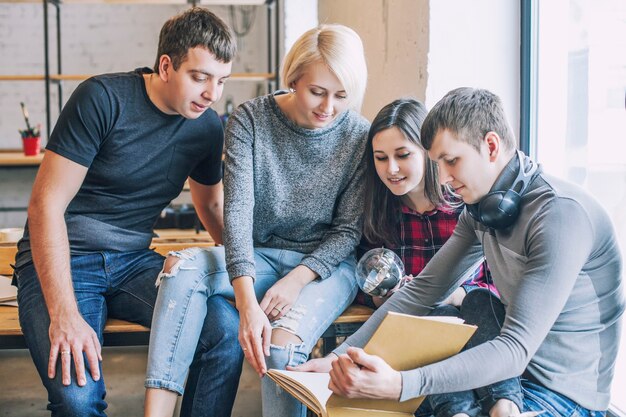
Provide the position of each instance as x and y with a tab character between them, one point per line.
382	207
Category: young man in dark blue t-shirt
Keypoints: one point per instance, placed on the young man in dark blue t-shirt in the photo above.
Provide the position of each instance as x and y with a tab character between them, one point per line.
120	152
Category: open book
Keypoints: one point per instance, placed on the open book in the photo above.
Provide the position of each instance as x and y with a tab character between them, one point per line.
404	342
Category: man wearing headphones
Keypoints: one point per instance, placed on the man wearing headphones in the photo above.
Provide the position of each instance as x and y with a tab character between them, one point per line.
553	256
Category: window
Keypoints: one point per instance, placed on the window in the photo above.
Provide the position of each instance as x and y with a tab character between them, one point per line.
573	107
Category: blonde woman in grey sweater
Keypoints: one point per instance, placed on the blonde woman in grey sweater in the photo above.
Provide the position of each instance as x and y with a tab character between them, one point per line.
293	202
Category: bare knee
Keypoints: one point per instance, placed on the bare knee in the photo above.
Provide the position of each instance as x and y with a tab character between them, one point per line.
281	337
170	263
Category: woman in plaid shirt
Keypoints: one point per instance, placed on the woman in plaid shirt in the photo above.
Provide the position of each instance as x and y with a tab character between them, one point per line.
405	207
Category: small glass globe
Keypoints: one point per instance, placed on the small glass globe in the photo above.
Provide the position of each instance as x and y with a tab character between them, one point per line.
379	271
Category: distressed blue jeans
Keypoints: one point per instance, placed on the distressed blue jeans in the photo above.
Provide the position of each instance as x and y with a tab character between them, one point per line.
216	367
106	284
200	274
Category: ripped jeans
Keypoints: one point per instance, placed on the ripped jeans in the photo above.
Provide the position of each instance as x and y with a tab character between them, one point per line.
201	273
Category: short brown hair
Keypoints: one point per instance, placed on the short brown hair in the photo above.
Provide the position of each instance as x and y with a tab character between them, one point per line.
196	27
470	114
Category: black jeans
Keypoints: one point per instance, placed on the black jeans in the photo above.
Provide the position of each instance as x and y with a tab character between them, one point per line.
486	311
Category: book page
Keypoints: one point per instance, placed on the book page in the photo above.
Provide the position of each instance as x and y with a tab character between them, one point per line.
310	387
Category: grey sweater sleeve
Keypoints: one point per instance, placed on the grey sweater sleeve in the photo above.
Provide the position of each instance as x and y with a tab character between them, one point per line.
558	246
239	195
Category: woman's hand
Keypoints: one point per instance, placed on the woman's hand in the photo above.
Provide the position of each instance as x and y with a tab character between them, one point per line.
359	375
281	296
315	365
255	331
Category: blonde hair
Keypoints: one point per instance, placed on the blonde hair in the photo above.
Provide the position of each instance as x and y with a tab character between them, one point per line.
337	46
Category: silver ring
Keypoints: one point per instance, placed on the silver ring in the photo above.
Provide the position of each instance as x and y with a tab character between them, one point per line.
65	352
278	309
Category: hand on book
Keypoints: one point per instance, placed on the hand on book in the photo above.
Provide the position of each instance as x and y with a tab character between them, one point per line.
359	375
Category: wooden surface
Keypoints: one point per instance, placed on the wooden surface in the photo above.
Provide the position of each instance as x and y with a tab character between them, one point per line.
10	326
168	240
17	158
7	257
355	314
9	323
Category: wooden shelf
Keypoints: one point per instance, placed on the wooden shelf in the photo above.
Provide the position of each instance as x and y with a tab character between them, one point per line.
252	76
22	77
17	158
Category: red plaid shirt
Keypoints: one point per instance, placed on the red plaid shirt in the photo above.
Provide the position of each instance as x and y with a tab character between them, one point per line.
421	236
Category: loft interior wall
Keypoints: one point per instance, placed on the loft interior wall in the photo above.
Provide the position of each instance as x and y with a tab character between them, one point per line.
99	38
475	44
423	49
395	37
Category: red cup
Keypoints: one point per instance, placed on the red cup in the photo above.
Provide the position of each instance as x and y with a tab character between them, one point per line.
32	145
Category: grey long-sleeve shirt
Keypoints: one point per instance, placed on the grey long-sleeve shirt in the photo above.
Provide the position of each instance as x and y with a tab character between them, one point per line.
558	270
292	188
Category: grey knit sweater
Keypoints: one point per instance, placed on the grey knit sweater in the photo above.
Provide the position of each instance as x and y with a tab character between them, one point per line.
292	188
559	273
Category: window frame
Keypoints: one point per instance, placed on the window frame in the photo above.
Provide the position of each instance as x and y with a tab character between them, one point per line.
528	94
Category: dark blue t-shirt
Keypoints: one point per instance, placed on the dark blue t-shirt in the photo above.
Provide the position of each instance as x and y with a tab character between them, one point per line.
138	159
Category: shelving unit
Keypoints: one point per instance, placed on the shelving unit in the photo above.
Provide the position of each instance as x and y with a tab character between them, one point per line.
57	76
18	170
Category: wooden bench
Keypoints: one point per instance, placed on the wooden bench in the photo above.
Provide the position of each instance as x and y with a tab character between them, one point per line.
124	333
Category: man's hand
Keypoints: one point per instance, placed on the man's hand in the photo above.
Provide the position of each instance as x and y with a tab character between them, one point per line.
359	375
315	365
70	336
281	296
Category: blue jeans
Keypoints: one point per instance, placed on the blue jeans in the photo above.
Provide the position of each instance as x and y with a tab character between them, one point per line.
216	367
200	274
540	398
106	284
